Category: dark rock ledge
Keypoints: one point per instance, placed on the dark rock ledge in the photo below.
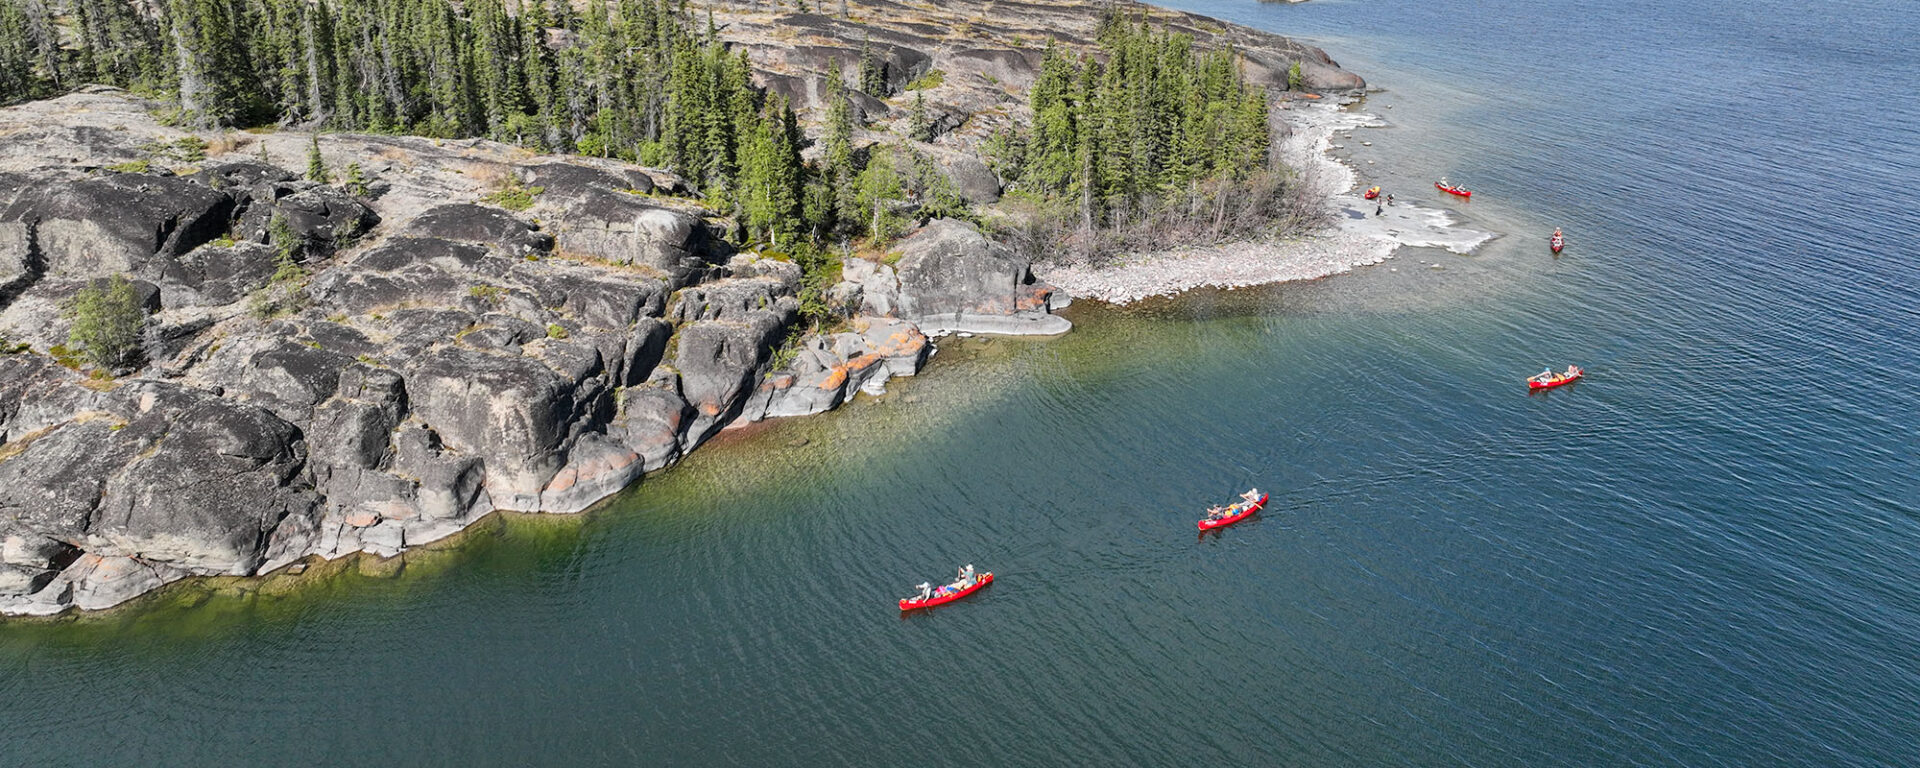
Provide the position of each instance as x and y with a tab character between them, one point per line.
439	360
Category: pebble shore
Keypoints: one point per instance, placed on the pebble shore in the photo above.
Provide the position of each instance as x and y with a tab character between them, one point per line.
1349	243
1233	265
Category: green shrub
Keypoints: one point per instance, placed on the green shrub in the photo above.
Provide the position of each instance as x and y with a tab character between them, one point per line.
283	294
932	79
554	331
66	356
107	323
142	165
514	197
189	149
491	294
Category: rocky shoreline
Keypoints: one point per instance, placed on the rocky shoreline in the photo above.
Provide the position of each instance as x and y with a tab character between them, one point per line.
1345	245
375	362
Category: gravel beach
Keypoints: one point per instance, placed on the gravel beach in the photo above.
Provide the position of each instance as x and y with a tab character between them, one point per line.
1356	239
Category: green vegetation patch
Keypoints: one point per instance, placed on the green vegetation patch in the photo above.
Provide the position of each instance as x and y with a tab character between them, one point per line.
514	196
108	322
932	79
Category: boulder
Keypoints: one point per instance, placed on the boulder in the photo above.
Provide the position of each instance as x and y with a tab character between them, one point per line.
242	179
511	412
1317	72
598	299
352	431
717	361
217	275
214	480
971	177
653	422
948	267
274	372
319	217
733	300
1013	69
447	485
361	292
401	252
596	467
570	181
98	581
875	285
108	223
828	369
481	225
645	346
618	228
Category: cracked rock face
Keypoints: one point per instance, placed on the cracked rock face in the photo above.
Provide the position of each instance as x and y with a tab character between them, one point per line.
434	357
439	360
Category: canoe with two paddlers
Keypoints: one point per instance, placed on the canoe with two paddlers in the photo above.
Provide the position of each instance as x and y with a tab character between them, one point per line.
1235	513
1548	379
947	593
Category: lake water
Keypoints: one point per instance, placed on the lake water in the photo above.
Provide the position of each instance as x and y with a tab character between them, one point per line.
1708	553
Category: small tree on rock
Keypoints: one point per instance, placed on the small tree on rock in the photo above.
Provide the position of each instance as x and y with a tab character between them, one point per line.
108	321
356	180
919	125
316	165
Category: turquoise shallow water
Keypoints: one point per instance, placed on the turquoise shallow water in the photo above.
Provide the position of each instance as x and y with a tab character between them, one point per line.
1706	554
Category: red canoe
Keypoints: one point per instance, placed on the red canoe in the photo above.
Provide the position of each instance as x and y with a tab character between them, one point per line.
1461	191
1372	193
1572	375
1221	522
911	603
1556	243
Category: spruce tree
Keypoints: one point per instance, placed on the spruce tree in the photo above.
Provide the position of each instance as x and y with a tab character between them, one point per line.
356	181
316	165
18	79
873	73
878	188
919	126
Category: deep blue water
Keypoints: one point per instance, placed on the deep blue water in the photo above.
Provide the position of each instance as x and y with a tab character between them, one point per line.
1706	554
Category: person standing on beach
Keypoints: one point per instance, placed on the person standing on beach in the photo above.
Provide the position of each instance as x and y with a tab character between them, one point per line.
1389	199
1377	209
